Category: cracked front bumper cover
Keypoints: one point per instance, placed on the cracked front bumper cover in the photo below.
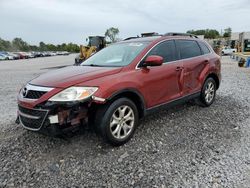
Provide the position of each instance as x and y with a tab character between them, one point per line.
53	116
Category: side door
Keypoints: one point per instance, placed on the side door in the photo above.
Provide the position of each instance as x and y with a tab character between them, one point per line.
162	83
193	62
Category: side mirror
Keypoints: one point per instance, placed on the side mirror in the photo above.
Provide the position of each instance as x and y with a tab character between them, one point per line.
153	60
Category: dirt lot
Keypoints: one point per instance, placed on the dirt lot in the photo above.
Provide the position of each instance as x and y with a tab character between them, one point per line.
187	146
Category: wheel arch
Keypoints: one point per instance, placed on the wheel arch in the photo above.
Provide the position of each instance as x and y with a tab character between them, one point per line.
215	77
134	96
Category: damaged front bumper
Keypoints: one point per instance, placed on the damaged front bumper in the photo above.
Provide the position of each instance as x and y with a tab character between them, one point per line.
54	118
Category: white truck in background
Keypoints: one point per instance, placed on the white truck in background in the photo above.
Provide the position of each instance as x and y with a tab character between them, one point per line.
228	51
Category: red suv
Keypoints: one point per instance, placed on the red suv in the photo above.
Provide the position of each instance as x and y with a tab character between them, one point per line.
120	84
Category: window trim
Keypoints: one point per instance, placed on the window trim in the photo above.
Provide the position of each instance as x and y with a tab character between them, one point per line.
139	68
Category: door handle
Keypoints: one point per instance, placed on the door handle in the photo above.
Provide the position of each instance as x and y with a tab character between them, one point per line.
178	68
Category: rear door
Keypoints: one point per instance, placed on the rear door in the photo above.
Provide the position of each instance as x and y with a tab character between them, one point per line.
162	83
193	60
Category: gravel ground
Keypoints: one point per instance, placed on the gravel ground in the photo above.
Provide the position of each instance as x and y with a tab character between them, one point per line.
186	146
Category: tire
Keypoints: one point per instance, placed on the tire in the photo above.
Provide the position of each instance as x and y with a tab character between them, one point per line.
222	53
208	92
117	121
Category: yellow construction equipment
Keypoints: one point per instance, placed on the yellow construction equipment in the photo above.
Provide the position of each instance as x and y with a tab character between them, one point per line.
86	51
95	43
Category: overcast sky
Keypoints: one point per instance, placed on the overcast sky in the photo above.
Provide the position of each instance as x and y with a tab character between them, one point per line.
58	21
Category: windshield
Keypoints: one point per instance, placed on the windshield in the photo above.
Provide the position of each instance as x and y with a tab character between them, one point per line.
116	55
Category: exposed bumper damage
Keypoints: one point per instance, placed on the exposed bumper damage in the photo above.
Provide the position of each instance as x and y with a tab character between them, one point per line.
68	116
54	118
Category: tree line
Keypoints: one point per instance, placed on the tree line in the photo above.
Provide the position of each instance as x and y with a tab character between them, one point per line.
112	33
17	44
211	33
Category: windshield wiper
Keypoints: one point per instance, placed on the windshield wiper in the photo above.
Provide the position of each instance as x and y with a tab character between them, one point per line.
95	65
92	65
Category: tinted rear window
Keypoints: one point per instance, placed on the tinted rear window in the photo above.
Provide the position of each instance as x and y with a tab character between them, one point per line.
188	48
204	48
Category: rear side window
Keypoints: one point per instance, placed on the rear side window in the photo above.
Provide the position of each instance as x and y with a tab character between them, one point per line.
204	48
188	48
166	50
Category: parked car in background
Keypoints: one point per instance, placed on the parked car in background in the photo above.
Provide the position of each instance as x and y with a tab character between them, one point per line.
65	53
2	52
7	56
38	54
58	53
52	53
62	53
22	55
228	51
2	57
30	54
121	84
46	54
15	56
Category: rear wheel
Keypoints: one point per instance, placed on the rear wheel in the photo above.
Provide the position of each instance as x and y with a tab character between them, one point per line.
116	122
208	92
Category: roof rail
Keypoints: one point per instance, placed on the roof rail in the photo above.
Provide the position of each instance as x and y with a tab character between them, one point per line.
131	38
144	35
181	34
150	34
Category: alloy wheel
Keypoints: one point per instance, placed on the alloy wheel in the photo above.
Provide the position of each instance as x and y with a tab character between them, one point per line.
209	92
122	122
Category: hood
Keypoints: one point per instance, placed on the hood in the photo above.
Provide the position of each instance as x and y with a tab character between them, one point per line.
69	76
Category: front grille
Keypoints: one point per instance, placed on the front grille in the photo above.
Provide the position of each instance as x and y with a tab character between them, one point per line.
31	94
34	92
32	118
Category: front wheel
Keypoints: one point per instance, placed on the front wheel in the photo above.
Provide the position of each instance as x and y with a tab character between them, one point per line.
117	121
208	92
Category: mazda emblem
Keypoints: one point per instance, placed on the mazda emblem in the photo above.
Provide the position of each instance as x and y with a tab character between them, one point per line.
25	92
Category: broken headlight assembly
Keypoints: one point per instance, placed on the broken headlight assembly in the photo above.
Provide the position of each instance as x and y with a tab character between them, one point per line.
74	94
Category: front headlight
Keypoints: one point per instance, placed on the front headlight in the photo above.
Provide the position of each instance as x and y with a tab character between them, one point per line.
74	94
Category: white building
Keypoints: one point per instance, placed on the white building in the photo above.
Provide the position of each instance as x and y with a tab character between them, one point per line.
241	41
235	36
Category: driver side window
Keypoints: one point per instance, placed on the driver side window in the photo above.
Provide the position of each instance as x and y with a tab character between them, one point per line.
166	49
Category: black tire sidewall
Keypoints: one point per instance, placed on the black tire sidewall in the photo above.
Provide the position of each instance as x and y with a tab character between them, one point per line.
203	100
105	123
